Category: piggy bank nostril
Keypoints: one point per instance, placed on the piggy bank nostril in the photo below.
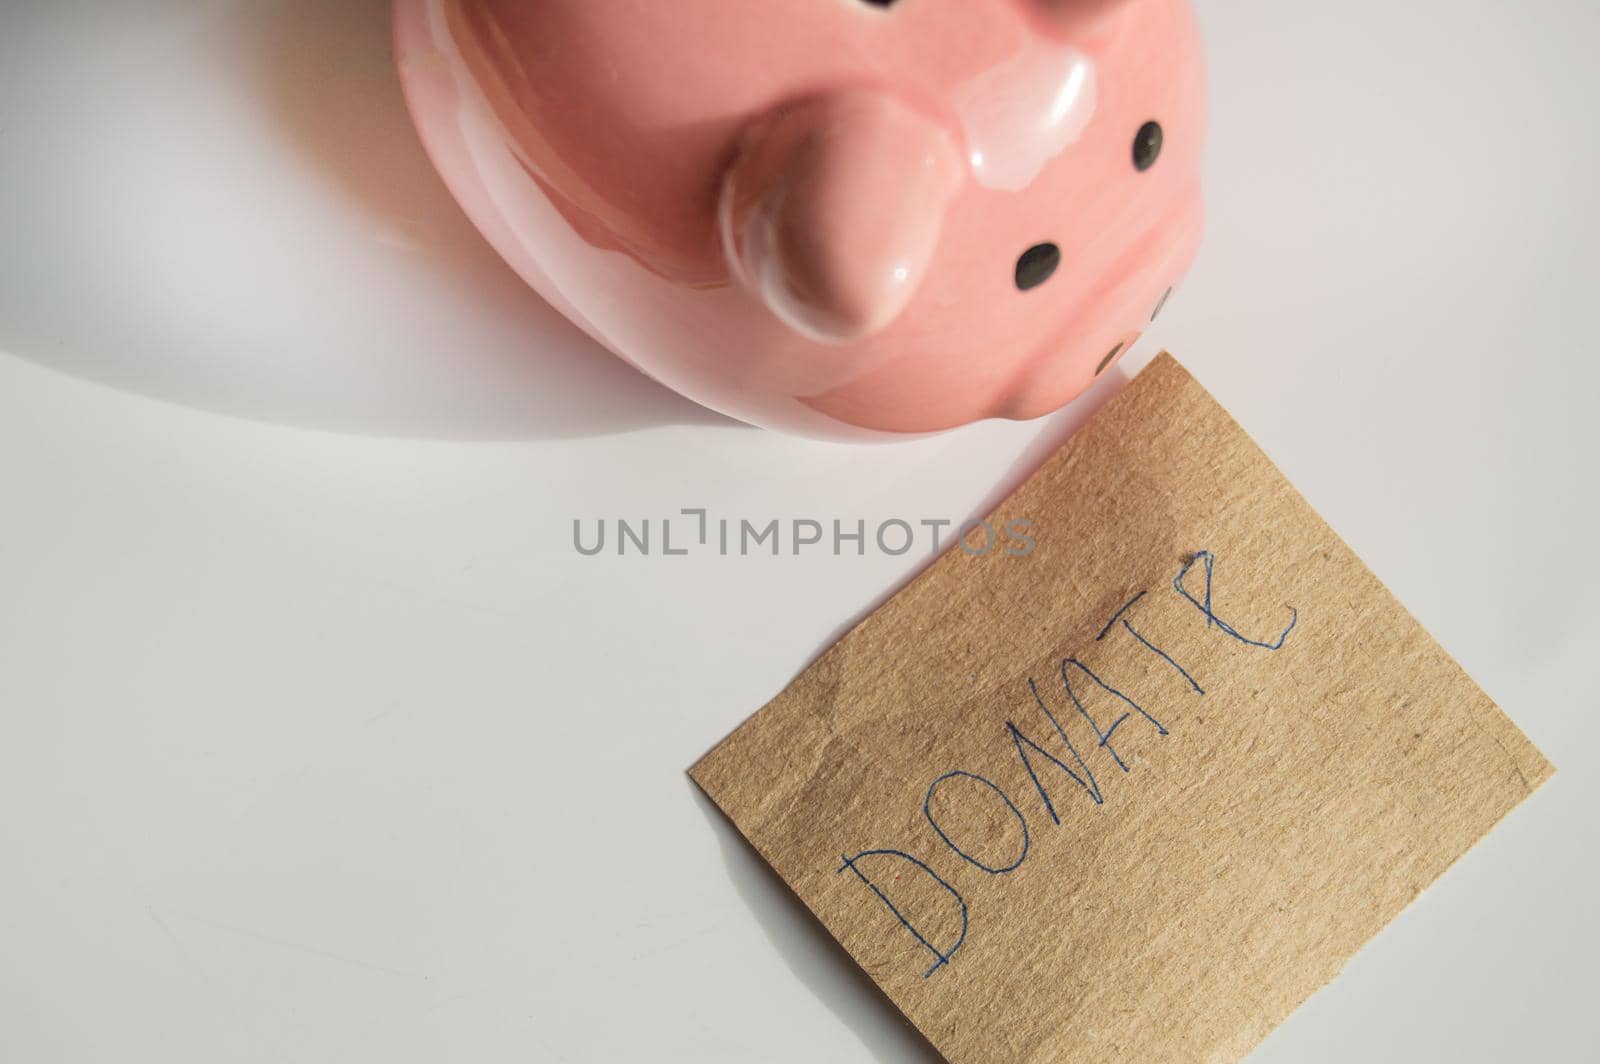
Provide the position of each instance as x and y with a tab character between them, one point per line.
1036	265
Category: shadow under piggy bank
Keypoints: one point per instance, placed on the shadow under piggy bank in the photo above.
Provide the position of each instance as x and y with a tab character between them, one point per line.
225	206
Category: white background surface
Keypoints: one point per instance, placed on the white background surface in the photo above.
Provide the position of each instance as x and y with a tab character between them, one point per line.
318	742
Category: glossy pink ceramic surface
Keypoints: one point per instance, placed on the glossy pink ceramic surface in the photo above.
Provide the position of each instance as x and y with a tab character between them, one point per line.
817	215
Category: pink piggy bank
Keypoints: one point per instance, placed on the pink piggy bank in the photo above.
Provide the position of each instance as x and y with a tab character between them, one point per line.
829	216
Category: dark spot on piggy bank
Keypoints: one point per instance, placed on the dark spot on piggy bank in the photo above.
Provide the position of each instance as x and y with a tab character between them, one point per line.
1036	265
1161	305
1111	354
1147	146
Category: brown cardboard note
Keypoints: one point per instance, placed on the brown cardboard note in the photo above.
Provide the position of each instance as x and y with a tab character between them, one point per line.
1135	795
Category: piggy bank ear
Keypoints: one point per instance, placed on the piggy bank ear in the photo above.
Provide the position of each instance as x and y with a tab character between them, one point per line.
832	211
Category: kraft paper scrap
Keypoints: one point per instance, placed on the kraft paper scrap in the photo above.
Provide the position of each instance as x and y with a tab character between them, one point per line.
1135	795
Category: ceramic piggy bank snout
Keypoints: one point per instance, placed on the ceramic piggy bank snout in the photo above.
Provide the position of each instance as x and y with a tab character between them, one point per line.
833	211
829	216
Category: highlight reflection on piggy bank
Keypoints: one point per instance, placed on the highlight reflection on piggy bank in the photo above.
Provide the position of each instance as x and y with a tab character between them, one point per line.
823	215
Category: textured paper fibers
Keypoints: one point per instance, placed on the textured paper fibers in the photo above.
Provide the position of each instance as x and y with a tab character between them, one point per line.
1289	812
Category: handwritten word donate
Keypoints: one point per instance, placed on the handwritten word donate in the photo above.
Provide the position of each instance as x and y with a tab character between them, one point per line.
1036	758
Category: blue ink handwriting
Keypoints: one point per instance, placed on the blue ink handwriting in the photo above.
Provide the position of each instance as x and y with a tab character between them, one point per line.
1028	749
